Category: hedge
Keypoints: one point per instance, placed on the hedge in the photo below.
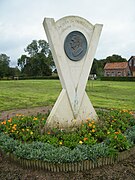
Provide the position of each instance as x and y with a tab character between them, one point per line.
117	78
38	77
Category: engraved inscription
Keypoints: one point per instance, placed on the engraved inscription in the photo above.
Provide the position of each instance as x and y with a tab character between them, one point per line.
75	45
62	26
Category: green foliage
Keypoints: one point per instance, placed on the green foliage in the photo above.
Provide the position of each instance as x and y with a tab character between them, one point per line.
47	152
109	128
24	128
7	143
39	61
24	137
117	78
38	77
130	134
4	65
115	58
119	142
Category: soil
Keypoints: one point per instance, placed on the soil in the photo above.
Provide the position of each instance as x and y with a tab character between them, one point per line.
10	171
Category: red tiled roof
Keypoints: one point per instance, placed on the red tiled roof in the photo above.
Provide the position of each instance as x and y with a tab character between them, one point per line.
116	65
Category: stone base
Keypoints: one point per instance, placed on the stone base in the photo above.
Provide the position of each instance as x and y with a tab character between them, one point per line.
62	115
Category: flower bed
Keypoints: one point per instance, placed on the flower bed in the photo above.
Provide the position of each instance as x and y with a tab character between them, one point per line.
109	140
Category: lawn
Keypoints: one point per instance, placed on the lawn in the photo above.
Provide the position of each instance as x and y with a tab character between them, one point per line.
112	94
28	93
34	93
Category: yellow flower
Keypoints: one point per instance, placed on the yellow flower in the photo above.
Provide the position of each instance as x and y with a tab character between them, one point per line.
27	129
14	127
80	142
93	122
31	132
93	126
22	129
4	122
19	115
124	110
85	139
10	120
48	133
108	132
116	132
89	124
60	143
93	130
34	118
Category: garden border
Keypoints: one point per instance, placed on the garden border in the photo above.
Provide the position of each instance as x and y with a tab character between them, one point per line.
69	167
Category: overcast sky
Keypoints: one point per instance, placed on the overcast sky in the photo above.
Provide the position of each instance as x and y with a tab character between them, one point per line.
21	22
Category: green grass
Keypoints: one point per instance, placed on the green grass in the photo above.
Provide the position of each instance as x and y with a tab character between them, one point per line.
33	93
112	94
28	93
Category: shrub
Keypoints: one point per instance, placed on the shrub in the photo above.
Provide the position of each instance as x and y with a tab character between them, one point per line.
117	78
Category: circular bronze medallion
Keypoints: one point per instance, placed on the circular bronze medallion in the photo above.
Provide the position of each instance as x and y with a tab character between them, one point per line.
75	45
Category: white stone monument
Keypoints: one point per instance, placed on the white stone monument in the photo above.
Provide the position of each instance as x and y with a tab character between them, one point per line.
73	42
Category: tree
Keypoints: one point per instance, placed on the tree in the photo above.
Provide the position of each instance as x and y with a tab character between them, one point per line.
22	61
13	72
4	65
94	68
115	58
97	68
39	61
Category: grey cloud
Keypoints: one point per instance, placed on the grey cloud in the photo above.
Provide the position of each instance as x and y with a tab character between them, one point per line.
21	22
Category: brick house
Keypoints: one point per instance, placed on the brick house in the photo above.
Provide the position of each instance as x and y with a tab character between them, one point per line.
131	63
117	69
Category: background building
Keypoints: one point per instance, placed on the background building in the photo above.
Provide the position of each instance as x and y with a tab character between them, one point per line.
117	69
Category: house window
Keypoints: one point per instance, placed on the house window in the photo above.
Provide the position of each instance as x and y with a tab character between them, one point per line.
130	63
129	73
134	63
108	74
119	73
112	73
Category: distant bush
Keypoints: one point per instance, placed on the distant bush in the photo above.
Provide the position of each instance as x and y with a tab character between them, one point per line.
117	78
37	77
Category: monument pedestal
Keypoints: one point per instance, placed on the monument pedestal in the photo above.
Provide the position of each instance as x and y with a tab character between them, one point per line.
62	115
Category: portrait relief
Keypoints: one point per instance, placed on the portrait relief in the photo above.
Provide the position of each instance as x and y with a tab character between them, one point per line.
75	45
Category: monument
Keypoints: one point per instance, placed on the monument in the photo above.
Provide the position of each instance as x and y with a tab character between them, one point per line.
73	42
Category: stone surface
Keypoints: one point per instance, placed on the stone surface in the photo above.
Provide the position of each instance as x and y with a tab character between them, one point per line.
73	102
